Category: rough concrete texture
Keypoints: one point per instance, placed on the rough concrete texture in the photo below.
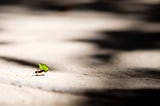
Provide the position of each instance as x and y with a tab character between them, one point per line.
84	65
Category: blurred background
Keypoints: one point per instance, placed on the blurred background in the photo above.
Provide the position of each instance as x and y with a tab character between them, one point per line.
100	52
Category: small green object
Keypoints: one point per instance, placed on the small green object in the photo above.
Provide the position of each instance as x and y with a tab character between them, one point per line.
43	67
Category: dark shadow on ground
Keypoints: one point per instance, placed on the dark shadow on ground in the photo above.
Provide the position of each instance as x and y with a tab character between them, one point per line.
102	57
102	6
126	40
39	5
127	97
147	12
122	97
4	43
19	61
148	73
114	6
153	14
131	40
98	5
23	62
119	41
4	2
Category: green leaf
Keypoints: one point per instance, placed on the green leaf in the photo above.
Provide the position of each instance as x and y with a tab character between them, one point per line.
43	67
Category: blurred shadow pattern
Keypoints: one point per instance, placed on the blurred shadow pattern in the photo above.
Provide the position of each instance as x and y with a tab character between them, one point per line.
102	57
122	97
19	61
126	40
4	43
22	62
137	73
153	14
134	7
131	40
126	97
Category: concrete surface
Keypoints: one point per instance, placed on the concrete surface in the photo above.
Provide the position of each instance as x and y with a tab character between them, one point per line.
78	69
